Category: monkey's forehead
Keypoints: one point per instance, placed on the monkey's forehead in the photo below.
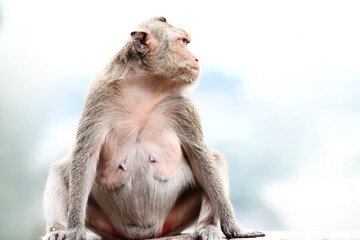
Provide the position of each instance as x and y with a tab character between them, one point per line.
159	24
161	19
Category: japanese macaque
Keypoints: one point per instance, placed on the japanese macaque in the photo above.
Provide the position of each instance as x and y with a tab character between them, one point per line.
139	167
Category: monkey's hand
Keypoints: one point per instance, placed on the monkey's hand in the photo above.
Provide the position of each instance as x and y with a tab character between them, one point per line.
76	234
232	229
207	232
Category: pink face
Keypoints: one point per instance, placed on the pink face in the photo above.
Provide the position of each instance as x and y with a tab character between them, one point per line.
184	41
189	60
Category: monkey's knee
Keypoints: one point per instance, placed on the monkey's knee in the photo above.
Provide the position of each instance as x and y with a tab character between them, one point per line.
219	157
56	185
220	160
222	167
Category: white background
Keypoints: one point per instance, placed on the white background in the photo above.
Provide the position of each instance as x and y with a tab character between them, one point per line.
278	94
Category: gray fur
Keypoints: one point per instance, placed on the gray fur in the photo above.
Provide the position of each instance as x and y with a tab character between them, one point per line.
139	106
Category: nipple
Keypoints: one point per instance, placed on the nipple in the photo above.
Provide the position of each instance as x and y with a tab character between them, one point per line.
123	166
151	158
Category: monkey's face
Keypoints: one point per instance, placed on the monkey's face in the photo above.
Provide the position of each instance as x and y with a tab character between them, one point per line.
186	65
163	50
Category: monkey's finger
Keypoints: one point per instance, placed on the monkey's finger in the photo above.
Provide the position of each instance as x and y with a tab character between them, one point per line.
260	234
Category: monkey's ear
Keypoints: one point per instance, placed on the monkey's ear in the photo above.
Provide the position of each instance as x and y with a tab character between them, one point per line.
140	41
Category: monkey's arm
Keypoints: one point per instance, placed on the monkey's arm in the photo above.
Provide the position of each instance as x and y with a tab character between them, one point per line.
206	170
90	137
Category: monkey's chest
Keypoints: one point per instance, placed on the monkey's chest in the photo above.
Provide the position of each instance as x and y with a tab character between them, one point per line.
154	151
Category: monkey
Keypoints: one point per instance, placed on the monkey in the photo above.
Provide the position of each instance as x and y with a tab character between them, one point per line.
139	167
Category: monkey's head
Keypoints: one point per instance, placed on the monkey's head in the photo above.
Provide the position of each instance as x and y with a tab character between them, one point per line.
159	48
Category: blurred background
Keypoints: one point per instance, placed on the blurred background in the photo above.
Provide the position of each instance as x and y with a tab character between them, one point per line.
278	94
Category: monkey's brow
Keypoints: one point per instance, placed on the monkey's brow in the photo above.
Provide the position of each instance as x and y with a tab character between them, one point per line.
185	33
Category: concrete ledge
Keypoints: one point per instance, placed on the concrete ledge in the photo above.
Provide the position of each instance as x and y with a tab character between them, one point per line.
293	235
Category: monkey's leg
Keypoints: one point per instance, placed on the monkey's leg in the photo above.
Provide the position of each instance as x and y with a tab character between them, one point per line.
55	204
184	214
207	223
206	170
209	215
208	218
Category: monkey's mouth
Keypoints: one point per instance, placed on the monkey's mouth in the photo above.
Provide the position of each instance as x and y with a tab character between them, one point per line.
195	68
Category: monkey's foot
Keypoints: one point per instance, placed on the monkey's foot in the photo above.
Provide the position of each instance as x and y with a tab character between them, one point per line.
207	232
250	234
231	229
55	235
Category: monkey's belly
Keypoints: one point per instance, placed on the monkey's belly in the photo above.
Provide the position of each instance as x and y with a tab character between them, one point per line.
182	215
144	207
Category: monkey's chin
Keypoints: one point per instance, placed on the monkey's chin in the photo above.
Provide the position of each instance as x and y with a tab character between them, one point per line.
194	75
190	77
186	75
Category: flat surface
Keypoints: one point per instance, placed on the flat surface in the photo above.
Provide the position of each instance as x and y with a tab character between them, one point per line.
294	235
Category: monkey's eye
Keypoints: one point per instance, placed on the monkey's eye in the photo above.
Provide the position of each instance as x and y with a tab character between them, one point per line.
185	41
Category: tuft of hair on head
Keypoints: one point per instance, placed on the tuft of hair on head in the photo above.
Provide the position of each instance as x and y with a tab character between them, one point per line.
161	19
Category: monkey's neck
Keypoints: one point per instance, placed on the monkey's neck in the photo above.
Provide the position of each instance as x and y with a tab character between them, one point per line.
154	83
